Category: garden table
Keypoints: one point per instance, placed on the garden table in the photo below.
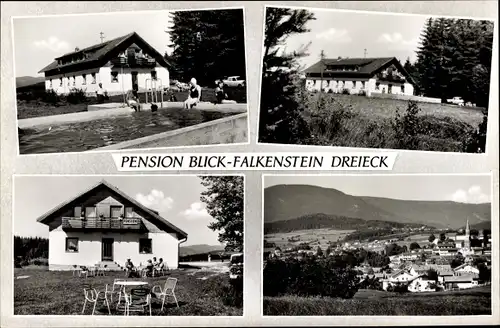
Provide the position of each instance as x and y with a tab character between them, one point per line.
126	283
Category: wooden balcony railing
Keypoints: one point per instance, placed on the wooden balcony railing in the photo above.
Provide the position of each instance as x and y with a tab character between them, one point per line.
136	62
70	223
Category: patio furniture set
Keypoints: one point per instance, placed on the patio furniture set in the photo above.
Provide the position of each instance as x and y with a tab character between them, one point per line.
137	295
89	271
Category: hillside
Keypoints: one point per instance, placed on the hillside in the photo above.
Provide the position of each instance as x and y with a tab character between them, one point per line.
199	249
288	202
321	221
24	81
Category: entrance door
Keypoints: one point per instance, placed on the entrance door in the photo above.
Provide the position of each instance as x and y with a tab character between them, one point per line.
107	249
135	85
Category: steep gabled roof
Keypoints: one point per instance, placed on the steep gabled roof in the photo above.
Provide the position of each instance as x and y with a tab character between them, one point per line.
99	54
367	67
156	218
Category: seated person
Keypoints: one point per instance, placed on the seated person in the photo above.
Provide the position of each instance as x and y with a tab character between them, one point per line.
133	101
194	95
129	267
221	95
149	268
155	262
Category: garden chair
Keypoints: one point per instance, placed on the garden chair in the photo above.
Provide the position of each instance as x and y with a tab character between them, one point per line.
115	289
77	270
93	296
139	299
169	290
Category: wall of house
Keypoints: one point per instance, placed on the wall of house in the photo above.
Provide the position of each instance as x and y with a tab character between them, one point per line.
125	245
64	83
355	86
421	285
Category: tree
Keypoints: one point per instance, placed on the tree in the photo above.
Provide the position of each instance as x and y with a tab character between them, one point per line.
486	237
224	197
484	273
328	250
457	261
281	105
432	274
208	44
432	238
414	245
442	236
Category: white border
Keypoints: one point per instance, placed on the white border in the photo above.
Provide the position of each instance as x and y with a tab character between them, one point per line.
96	151
126	319
491	105
399	320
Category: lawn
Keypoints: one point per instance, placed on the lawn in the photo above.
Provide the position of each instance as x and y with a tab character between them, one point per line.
367	122
46	292
315	237
475	301
38	108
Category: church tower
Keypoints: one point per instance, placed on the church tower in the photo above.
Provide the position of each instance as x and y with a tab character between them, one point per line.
467	236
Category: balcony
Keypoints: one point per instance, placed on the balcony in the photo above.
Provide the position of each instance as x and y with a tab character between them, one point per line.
133	62
115	224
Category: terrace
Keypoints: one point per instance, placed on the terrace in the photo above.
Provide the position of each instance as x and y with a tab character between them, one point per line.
102	223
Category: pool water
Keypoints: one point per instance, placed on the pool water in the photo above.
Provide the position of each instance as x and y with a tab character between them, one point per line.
82	136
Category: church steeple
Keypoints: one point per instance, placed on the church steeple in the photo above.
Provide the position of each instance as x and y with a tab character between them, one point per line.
467	235
467	228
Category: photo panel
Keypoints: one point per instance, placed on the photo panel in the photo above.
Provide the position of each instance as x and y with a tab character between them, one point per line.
396	81
130	80
378	245
128	245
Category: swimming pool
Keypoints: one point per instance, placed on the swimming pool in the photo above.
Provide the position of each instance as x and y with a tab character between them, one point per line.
82	136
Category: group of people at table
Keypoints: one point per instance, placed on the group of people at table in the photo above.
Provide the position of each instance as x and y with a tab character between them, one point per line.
152	266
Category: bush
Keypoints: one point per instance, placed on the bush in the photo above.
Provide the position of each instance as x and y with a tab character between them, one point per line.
346	92
312	276
50	97
76	96
230	291
407	127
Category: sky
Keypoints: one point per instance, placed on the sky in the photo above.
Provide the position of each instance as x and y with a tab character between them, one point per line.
177	198
457	188
347	34
38	40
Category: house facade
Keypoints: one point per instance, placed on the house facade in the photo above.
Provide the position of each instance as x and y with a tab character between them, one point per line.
359	76
105	226
121	64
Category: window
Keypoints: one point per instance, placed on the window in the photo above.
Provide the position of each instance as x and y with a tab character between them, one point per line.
145	246
377	86
363	84
153	75
72	245
354	84
90	212
50	83
93	78
116	211
402	89
84	76
129	212
61	82
78	212
114	77
69	81
74	80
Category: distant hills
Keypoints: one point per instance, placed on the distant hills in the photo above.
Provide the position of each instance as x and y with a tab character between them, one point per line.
296	202
199	249
25	81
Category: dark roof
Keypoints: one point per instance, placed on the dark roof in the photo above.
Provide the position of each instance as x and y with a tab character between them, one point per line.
99	54
367	67
45	218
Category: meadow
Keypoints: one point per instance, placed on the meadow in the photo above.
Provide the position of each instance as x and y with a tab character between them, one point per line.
199	292
359	121
314	237
475	301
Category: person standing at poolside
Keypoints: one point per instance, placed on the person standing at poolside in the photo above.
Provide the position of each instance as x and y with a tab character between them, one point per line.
194	94
100	94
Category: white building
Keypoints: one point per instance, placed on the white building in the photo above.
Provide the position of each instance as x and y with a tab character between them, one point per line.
360	75
104	225
119	64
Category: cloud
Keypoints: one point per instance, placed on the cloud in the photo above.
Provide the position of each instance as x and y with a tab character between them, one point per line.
473	195
397	41
53	44
334	35
156	200
196	211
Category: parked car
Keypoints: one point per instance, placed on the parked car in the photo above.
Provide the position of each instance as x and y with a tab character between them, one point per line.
234	82
236	268
456	101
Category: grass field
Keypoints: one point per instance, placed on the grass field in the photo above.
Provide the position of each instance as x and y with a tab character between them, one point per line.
475	301
315	237
60	293
443	126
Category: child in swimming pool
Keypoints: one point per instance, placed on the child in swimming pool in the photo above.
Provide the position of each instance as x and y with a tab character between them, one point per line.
194	95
